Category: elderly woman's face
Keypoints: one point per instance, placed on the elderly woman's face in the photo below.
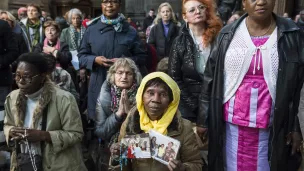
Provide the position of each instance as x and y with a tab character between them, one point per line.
32	13
156	101
51	33
195	12
259	9
76	20
165	13
110	8
28	78
124	77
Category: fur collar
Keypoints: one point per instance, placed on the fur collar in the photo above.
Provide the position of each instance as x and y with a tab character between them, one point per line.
44	99
132	125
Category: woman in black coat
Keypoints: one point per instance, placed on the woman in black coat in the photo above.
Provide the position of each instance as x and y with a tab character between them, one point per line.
190	51
53	46
164	31
254	52
107	38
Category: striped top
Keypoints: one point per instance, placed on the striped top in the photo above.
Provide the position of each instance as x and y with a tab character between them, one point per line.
251	105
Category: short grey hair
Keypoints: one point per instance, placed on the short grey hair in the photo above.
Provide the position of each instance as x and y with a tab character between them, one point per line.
74	11
124	62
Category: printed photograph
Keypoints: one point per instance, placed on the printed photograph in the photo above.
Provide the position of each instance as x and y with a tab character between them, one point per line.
163	148
136	146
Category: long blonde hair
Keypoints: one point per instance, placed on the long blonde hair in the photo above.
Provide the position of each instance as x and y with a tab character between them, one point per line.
173	18
10	17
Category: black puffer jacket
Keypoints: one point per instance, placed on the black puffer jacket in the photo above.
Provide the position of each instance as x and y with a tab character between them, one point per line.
182	69
64	56
288	87
159	41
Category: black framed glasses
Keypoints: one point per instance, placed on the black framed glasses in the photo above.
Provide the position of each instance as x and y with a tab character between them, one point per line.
27	79
110	2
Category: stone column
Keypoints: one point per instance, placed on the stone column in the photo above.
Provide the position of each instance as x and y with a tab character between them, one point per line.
4	5
283	6
135	9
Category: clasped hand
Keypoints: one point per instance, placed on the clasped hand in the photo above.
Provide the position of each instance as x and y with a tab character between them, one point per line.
32	135
103	61
124	104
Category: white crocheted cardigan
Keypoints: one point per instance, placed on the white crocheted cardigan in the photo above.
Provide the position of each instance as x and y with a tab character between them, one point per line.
238	58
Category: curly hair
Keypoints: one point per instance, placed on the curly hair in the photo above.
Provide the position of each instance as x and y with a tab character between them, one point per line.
70	13
213	22
124	62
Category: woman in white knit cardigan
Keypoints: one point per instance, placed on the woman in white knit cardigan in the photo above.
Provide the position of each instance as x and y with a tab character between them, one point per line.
251	90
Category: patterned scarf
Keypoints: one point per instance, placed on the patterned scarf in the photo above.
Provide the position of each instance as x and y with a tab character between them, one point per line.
116	94
35	27
76	40
117	23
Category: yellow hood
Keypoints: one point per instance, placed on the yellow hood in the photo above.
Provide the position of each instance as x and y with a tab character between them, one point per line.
160	125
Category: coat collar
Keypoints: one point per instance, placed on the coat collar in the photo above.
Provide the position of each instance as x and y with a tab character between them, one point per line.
284	25
47	92
171	31
101	26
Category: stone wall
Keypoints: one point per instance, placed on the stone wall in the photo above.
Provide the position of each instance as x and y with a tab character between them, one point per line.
4	4
138	9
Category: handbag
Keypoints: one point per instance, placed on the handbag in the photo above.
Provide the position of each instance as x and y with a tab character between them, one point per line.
29	161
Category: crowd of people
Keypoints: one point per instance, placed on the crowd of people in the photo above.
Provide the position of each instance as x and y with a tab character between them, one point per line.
231	92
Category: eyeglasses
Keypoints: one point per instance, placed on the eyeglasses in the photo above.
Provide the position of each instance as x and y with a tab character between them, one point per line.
120	73
199	8
106	2
27	79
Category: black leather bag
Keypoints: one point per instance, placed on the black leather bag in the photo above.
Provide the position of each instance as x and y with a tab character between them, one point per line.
27	162
24	162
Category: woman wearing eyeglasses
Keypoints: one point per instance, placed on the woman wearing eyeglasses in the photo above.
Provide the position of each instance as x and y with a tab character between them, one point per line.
190	52
116	98
42	121
107	38
164	31
251	90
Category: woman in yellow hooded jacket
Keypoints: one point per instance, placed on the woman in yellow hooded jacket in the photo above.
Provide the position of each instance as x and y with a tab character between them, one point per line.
157	108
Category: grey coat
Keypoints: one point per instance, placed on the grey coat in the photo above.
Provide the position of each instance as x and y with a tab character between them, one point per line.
107	124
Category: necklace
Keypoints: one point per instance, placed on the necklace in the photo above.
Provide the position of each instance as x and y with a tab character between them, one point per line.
262	34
